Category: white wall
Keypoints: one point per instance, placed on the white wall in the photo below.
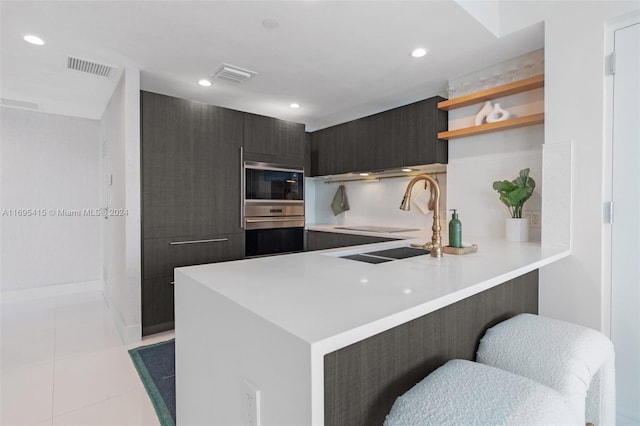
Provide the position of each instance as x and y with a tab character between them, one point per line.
49	162
573	289
476	162
120	134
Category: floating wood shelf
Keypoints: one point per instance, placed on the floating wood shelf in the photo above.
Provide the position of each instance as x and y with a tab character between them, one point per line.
513	123
493	93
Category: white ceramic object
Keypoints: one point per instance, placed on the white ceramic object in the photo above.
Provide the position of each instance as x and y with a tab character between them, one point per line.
516	229
484	113
421	201
498	114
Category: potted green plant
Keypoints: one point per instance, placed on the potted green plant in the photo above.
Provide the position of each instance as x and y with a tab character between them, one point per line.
514	194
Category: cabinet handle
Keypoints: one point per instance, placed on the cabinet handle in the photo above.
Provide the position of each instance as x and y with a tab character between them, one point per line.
213	240
172	282
242	195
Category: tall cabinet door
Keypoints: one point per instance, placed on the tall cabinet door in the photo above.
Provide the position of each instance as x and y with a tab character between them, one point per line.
213	178
177	149
227	167
163	129
190	168
195	172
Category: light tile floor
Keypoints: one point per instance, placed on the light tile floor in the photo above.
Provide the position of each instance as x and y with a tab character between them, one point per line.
62	363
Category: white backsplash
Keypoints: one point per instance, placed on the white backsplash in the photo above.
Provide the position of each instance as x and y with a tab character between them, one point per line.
476	162
371	203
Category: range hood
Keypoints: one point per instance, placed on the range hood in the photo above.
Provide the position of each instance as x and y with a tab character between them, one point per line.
408	171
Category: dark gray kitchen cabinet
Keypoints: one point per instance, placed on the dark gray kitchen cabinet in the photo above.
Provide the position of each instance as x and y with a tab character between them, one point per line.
273	140
423	146
162	255
191	164
190	168
157	305
318	240
404	136
307	152
335	149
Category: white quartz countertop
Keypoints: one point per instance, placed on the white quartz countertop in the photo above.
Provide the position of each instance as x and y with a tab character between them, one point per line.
331	302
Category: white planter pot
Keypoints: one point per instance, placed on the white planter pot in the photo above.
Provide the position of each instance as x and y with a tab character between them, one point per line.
516	229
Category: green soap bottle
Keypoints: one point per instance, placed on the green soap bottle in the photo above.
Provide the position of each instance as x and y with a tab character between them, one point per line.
455	230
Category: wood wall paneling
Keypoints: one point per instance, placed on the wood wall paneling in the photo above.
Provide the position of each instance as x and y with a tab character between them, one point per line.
363	380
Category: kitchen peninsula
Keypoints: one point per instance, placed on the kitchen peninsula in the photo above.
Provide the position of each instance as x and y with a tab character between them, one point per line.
308	330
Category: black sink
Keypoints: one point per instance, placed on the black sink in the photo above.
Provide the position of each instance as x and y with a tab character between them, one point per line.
399	252
382	256
365	258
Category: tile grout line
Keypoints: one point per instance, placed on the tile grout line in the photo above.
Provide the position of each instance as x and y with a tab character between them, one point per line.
95	403
55	415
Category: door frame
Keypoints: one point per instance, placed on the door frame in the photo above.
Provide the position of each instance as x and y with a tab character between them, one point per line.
607	166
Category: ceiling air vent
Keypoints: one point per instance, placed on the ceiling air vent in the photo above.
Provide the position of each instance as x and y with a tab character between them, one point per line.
82	65
15	103
233	73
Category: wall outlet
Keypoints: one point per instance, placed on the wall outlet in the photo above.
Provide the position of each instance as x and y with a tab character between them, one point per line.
535	219
250	404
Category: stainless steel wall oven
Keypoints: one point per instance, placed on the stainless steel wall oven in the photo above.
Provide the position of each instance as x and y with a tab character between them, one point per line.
273	208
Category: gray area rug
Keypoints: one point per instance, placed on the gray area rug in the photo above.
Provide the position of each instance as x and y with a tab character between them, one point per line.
156	365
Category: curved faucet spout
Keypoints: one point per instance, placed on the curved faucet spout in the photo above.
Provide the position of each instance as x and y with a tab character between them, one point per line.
436	238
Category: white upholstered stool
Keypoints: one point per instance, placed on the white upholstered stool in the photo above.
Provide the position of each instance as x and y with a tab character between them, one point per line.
577	362
467	393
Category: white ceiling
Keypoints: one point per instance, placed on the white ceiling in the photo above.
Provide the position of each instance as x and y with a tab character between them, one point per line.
339	59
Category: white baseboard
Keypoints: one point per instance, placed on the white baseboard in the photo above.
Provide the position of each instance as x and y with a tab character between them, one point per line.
129	333
50	291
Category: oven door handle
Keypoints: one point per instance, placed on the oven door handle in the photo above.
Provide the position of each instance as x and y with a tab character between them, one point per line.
256	223
273	219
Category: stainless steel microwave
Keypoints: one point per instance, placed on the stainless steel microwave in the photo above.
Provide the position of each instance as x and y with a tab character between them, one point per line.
272	182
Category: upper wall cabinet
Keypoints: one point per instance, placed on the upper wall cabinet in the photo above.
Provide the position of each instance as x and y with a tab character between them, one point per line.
404	136
272	140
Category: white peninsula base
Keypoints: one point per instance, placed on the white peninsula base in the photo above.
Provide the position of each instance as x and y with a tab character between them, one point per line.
271	321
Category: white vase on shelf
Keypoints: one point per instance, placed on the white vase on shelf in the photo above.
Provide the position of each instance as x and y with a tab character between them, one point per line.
498	114
484	113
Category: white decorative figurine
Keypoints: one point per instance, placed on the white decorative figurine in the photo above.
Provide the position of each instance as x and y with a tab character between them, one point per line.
484	113
498	114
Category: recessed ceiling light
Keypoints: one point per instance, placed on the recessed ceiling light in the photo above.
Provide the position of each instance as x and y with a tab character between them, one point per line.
204	82
364	174
295	105
407	170
419	52
34	40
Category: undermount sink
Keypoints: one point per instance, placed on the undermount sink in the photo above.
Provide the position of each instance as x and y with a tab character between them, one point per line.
382	256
